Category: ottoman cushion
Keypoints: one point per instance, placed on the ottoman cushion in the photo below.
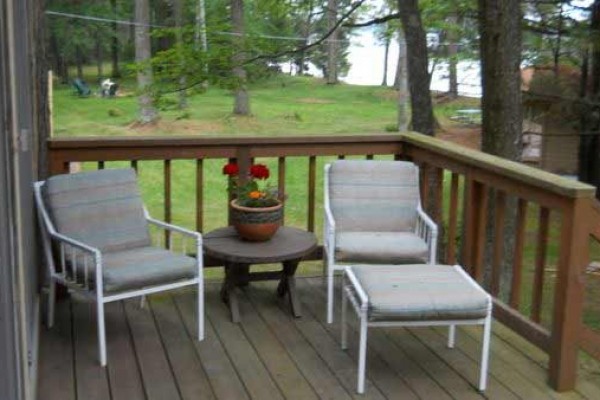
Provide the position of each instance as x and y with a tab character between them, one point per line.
420	293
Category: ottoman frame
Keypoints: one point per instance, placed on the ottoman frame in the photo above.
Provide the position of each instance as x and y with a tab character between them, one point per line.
353	291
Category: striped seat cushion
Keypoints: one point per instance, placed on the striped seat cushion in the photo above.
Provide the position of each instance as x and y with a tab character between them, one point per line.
420	293
374	196
381	248
139	268
101	208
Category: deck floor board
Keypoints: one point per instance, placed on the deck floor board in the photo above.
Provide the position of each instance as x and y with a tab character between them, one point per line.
153	353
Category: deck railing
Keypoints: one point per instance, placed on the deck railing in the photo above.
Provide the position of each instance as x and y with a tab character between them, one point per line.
458	185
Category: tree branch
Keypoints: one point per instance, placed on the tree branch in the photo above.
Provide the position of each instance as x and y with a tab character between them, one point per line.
327	34
374	21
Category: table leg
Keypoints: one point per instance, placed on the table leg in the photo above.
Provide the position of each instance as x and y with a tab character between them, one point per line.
287	284
228	291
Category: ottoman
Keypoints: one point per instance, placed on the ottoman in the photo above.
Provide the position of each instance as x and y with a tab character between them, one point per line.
415	295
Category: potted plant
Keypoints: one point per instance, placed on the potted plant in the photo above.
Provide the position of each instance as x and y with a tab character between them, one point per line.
256	210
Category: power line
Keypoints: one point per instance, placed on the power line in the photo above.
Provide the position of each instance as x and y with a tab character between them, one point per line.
133	23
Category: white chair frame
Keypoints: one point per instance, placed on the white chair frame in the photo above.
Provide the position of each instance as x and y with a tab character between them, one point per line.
95	292
353	291
424	228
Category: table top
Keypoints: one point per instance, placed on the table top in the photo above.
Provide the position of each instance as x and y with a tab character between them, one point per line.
287	244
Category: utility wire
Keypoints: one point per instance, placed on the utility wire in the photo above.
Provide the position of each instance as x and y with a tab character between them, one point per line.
133	23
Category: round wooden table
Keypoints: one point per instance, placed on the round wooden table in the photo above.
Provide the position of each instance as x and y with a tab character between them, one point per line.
288	246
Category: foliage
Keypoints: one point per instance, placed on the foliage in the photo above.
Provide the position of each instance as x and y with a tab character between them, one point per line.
253	191
554	32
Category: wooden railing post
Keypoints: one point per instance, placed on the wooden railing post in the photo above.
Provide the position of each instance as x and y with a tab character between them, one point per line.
569	292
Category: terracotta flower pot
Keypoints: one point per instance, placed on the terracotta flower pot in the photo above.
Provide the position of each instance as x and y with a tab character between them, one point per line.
256	224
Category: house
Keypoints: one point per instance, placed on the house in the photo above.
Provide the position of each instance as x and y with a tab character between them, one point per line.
21	162
550	127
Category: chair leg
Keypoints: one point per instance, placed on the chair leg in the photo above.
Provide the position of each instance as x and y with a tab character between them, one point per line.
101	332
343	321
143	301
451	336
362	353
51	303
200	311
485	351
330	295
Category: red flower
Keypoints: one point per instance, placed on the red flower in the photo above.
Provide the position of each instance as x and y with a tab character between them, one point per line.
231	169
259	171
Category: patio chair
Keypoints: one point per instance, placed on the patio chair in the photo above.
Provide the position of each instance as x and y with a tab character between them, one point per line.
96	241
81	87
373	215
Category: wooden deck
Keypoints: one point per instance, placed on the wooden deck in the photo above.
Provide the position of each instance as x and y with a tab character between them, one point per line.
152	354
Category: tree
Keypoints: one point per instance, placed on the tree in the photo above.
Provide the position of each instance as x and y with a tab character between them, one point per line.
502	118
402	86
417	61
500	32
147	111
589	147
114	45
242	101
332	43
200	40
452	57
178	13
385	34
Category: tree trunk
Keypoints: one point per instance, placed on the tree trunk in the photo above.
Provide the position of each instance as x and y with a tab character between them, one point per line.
200	40
147	111
306	34
501	103
114	43
417	62
452	57
178	14
558	43
595	34
589	146
385	60
401	58
332	56
99	61
500	41
79	61
242	101
402	86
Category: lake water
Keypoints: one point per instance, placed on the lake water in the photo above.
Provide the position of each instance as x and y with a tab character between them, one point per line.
366	56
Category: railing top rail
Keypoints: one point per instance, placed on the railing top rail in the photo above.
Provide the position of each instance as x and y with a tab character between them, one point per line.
518	172
89	142
514	170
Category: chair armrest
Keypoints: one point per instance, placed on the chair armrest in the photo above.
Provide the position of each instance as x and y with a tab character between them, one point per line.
175	228
428	230
426	219
73	280
328	221
76	243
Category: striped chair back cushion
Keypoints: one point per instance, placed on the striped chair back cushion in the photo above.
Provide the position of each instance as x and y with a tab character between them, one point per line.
101	208
374	196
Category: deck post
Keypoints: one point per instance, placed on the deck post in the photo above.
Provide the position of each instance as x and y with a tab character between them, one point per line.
568	300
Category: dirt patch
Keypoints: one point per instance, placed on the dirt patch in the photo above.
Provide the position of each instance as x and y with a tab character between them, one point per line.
391	94
468	136
314	100
181	127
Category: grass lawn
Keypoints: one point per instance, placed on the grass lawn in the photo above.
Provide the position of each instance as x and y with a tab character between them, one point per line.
282	106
